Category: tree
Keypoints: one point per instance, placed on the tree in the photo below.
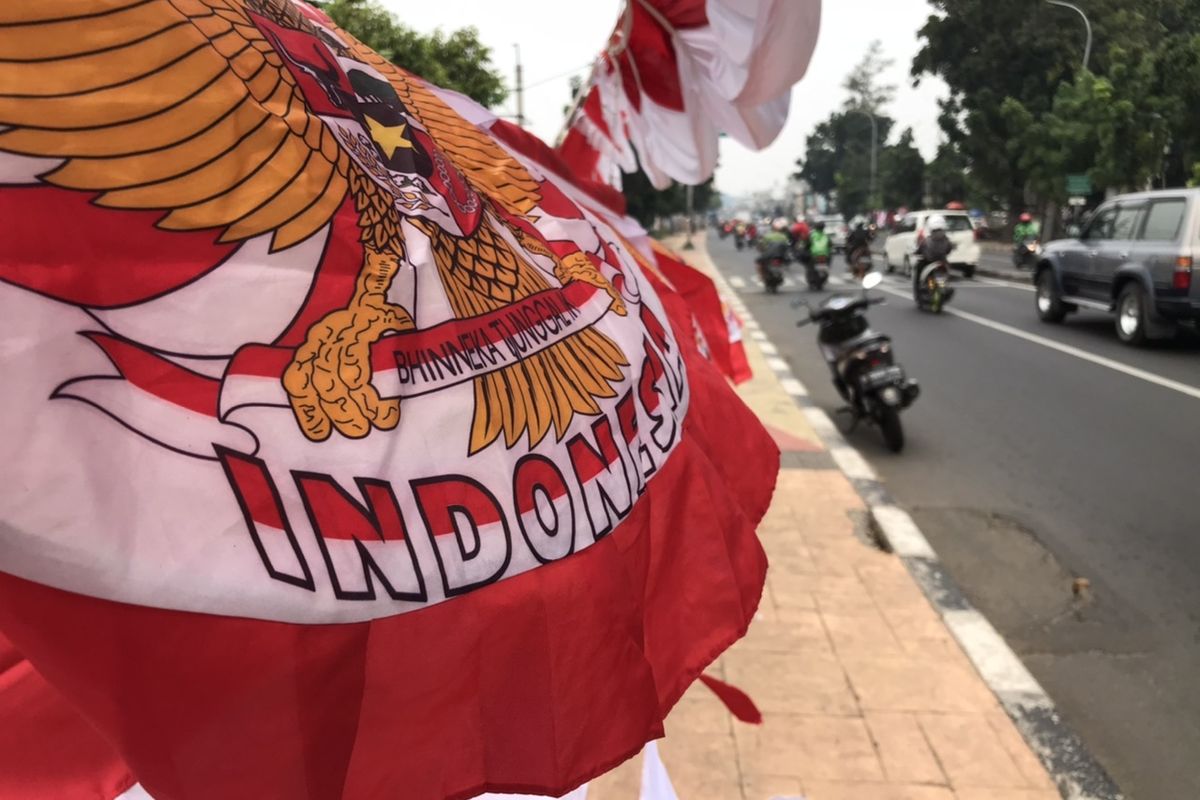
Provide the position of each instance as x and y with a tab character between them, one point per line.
647	204
947	176
837	157
456	61
1023	114
902	170
867	93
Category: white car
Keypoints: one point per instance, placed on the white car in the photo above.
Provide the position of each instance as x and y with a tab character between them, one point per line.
901	246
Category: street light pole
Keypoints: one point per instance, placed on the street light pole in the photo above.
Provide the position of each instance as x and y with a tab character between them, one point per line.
874	152
1087	48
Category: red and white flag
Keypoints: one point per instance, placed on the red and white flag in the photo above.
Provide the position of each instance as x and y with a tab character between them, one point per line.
678	73
345	451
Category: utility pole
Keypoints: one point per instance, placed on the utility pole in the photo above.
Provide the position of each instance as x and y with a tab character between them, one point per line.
520	89
874	154
1087	48
691	228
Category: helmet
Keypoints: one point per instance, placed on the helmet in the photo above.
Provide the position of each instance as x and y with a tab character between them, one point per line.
1025	217
936	223
780	224
800	218
820	225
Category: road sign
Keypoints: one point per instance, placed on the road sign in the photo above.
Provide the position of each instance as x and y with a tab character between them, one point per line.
1077	201
1079	185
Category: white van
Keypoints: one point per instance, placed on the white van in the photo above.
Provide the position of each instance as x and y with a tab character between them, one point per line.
901	246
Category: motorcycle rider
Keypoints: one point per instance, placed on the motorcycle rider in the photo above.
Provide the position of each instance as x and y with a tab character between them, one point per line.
773	244
935	247
799	233
858	247
1024	230
819	246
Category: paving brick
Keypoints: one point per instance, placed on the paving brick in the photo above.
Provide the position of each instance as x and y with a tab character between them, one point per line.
874	791
903	749
1014	744
1006	794
910	684
800	683
772	787
802	634
808	748
860	632
702	766
970	752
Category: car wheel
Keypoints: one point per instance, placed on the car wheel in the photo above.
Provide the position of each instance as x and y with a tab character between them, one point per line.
1050	306
1131	314
887	263
968	270
907	267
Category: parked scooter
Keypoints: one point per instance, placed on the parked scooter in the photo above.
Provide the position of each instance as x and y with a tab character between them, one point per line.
861	360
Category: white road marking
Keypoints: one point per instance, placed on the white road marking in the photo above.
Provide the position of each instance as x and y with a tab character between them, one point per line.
998	664
766	347
983	281
901	532
1066	349
737	282
793	387
852	462
776	363
758	336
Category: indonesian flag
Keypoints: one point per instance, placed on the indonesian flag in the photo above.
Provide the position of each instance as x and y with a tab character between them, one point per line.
678	73
349	450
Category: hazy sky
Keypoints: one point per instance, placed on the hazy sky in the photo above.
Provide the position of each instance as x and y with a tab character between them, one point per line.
559	36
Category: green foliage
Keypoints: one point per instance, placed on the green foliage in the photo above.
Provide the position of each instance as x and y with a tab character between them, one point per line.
646	204
1023	113
456	61
902	173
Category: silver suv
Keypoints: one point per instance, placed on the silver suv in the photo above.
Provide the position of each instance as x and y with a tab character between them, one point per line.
1134	258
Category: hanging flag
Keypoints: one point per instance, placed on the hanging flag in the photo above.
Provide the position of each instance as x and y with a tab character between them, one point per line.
676	74
346	453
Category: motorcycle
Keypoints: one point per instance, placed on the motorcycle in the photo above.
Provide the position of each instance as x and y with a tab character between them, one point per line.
862	363
771	266
1026	252
859	262
816	272
934	288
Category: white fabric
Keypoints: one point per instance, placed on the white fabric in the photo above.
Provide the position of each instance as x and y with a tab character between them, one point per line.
656	784
735	77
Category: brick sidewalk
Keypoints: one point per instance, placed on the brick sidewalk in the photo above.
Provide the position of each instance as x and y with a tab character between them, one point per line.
865	694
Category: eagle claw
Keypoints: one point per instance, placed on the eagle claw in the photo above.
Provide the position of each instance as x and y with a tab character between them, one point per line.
329	380
578	267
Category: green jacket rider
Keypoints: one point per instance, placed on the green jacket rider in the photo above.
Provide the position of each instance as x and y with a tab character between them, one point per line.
1025	228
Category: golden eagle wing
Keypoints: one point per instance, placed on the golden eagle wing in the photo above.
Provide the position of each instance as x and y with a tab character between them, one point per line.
180	105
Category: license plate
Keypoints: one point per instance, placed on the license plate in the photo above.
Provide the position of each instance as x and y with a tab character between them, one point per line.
883	376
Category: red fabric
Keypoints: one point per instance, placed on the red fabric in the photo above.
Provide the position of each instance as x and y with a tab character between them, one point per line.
654	53
737	701
495	690
59	243
46	749
700	293
683	13
156	375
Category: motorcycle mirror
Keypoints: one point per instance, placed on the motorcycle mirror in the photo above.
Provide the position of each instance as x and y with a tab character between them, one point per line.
871	280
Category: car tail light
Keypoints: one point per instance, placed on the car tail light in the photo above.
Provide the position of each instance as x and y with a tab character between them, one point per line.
1182	279
920	237
977	234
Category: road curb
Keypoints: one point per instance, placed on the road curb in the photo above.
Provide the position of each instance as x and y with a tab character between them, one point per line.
1076	773
1005	274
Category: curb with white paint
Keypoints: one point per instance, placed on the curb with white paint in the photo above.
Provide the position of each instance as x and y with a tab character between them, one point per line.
1077	774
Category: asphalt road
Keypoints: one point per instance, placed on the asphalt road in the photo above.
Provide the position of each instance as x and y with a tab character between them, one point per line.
1028	466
